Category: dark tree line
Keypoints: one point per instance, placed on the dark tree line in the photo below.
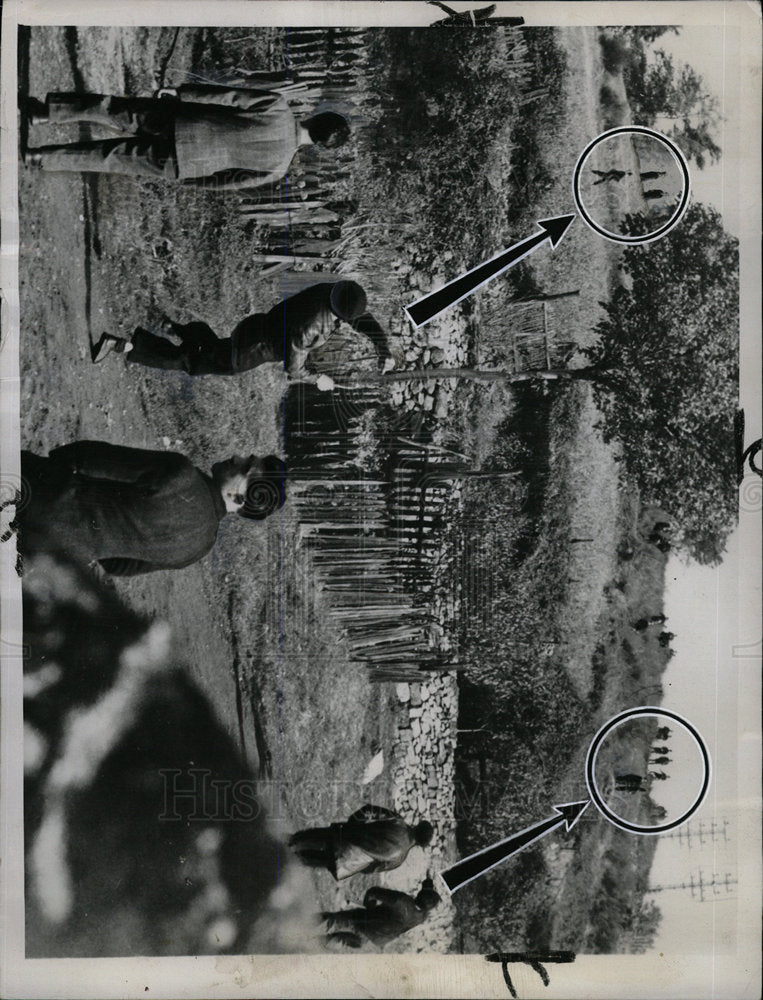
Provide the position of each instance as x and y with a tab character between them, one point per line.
668	93
665	371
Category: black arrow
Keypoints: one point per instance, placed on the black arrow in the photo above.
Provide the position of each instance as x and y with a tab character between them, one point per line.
467	869
421	311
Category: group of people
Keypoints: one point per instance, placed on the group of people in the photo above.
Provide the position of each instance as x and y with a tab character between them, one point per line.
605	176
132	510
373	839
648	624
632	783
135	511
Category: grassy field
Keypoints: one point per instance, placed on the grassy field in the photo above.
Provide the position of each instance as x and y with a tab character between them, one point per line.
552	654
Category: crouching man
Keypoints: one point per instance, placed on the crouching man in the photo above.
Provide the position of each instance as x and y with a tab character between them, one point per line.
384	916
286	334
373	839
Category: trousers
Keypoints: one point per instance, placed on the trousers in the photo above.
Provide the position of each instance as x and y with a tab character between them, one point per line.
143	144
201	352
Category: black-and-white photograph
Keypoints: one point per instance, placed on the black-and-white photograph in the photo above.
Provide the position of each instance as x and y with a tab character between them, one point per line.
382	461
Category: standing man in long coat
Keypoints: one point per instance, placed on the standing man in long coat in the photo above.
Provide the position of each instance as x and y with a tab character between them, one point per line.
134	511
373	839
231	138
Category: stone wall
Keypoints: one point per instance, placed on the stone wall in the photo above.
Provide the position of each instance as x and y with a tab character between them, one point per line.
423	788
441	343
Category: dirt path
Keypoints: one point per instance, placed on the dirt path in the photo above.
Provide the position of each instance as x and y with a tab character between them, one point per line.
83	274
604	593
106	254
585	465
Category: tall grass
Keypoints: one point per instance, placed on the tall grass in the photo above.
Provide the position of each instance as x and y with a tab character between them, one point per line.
515	689
435	103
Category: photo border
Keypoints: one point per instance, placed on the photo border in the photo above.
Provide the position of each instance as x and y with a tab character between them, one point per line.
653	975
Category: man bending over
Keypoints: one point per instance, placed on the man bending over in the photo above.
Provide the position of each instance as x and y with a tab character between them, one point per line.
286	334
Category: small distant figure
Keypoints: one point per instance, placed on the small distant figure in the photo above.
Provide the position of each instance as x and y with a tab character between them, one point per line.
373	839
610	175
626	551
660	760
658	775
662	543
628	782
658	534
663	733
384	915
665	638
643	623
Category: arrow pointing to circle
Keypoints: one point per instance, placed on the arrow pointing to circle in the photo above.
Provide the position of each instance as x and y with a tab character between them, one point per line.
431	305
468	869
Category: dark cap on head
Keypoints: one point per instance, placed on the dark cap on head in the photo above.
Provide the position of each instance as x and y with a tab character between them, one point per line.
347	300
328	129
423	833
427	898
266	491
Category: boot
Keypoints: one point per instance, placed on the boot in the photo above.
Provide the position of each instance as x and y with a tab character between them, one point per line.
108	344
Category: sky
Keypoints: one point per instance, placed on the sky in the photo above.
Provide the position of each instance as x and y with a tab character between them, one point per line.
707	676
701	685
710	52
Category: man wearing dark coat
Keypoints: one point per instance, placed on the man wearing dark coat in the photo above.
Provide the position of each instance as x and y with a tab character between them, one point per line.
610	175
233	138
628	782
617	175
642	624
134	511
384	915
286	334
373	839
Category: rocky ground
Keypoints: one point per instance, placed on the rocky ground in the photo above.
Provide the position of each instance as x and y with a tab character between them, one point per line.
423	776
